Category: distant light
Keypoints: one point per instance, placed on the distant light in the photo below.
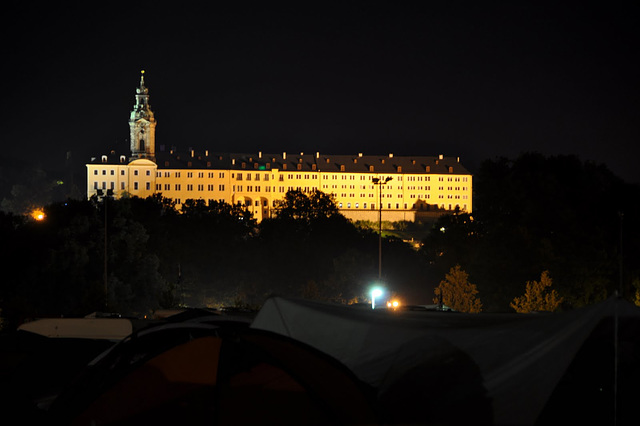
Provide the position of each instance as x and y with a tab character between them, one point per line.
442	229
375	292
37	214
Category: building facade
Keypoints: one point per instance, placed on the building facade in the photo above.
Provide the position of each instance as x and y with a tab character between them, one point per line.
404	187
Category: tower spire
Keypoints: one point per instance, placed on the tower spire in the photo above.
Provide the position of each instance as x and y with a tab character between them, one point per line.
142	124
142	80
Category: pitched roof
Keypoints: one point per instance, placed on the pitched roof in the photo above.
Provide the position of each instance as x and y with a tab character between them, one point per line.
327	163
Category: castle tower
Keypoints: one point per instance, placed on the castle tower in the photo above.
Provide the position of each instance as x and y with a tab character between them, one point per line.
142	125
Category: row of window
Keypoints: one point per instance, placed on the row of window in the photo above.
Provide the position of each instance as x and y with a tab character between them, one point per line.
189	187
112	185
409	188
257	188
397	206
266	176
112	172
251	188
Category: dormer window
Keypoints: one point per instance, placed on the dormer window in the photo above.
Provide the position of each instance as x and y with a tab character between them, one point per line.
342	167
104	158
299	166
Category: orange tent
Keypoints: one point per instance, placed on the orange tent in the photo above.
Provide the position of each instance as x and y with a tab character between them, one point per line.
194	373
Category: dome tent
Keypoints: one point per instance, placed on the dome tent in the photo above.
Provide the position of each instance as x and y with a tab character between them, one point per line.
199	373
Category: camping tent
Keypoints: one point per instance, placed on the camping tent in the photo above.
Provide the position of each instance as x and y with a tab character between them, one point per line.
196	372
458	368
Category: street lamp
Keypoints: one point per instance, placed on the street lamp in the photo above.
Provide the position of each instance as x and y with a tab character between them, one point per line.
104	198
375	292
37	214
380	182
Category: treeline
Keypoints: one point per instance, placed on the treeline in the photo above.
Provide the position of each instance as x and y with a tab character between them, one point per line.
574	219
531	215
205	255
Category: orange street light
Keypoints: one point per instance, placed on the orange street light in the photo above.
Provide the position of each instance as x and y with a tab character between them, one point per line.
37	214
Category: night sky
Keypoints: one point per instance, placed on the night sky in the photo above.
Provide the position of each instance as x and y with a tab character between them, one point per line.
465	79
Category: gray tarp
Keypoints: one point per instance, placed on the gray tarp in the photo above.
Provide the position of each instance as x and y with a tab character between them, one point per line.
519	358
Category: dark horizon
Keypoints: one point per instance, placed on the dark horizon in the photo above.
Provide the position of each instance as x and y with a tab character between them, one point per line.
467	80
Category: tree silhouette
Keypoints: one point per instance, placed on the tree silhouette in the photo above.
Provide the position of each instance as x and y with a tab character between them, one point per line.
457	292
537	296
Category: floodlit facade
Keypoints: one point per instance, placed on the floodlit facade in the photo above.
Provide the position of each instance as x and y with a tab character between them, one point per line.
419	186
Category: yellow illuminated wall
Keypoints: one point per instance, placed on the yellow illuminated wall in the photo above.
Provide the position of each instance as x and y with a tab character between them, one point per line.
404	197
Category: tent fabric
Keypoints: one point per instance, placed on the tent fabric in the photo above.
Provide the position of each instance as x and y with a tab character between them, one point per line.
176	374
511	362
198	373
80	328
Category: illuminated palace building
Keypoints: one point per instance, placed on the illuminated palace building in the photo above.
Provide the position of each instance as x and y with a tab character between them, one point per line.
404	187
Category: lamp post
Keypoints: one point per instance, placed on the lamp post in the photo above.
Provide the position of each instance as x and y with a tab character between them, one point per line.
104	198
380	182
